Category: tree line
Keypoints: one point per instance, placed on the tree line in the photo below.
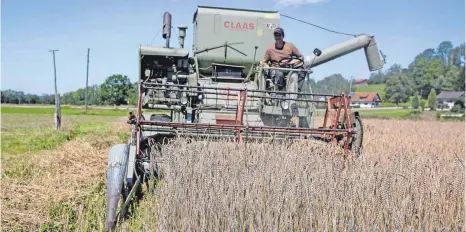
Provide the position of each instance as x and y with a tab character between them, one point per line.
116	90
432	71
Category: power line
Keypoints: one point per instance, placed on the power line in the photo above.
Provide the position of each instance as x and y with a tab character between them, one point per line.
155	37
173	29
323	28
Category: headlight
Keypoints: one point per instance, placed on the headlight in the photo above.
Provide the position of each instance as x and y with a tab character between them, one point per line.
284	104
147	73
184	100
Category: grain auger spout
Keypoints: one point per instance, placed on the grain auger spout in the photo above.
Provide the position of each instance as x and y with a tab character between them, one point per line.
361	41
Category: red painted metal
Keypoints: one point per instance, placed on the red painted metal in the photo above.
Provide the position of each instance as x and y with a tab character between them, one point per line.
348	122
240	113
225	119
333	113
138	122
335	106
240	108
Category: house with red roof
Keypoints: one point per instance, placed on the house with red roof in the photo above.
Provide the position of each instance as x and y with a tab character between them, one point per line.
365	99
360	82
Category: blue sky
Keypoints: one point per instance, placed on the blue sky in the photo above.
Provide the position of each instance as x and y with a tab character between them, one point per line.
114	29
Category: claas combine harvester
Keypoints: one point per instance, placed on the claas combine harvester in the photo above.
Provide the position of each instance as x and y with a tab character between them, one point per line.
223	91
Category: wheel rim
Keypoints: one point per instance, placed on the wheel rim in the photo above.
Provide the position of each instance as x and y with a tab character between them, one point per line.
356	141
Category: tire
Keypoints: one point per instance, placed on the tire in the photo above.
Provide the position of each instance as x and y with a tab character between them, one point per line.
116	170
356	139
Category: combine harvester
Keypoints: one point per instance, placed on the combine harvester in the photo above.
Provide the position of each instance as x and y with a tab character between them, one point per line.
222	91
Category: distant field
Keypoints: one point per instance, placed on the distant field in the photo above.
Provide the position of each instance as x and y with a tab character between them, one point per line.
33	132
393	113
64	111
379	112
32	129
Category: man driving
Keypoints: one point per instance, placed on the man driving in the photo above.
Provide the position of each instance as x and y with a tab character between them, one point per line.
276	52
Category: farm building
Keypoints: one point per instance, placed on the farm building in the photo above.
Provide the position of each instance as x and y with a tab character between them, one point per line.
360	82
365	99
448	99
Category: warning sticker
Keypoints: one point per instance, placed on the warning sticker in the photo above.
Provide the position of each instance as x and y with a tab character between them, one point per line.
270	25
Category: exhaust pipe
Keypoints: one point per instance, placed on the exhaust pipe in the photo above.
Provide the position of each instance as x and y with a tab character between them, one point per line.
167	27
116	170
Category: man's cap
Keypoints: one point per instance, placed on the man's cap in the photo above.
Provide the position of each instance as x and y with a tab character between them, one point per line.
279	30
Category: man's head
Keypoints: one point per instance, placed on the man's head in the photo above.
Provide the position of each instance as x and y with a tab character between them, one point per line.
279	34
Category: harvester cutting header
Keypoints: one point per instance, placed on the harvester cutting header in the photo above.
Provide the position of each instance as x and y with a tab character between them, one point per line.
227	87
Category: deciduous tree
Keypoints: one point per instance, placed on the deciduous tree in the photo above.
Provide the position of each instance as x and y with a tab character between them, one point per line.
432	99
115	90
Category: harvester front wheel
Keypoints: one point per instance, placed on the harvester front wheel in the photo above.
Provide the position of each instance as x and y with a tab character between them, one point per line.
356	139
117	163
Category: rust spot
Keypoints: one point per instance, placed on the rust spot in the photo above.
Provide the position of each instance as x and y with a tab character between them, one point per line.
225	119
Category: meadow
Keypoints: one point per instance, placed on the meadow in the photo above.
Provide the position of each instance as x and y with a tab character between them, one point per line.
50	177
410	178
379	88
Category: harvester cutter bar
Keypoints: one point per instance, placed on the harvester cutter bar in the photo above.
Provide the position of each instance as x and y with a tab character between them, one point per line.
244	128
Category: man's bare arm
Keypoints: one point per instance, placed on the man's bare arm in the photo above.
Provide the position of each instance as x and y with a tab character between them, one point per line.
297	53
266	58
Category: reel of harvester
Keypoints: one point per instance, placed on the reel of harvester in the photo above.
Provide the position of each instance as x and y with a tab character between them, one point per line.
129	164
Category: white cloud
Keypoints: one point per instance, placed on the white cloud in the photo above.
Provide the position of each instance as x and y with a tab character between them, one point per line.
298	2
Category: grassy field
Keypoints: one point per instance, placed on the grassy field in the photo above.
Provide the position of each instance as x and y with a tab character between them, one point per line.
56	181
395	113
385	113
379	88
64	111
49	177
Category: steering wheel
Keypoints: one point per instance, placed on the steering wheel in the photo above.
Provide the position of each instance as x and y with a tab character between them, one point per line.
288	60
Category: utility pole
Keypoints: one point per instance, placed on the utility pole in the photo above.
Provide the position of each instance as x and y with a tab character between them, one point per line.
57	115
87	76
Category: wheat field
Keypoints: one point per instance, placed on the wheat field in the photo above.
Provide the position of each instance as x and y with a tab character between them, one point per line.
411	178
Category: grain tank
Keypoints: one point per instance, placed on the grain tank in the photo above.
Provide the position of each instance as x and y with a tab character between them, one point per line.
227	38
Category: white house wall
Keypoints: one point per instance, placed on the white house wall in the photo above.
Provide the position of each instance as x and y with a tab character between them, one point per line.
362	105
